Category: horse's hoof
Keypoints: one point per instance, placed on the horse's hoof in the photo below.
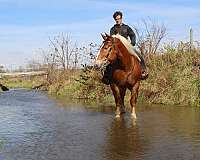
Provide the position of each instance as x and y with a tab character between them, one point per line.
134	122
134	116
117	116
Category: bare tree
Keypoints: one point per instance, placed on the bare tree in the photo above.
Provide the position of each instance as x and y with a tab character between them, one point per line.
2	69
65	53
88	54
150	38
49	64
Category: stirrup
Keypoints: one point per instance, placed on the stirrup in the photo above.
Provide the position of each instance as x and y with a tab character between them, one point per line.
144	75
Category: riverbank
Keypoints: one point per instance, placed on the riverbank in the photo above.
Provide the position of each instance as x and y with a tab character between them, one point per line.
173	79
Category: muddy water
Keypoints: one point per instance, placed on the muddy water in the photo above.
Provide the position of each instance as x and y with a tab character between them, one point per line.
35	127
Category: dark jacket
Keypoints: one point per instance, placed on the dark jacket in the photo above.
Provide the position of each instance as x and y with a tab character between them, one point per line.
125	31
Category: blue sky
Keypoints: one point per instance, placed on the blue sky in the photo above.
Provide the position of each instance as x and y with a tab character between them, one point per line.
26	25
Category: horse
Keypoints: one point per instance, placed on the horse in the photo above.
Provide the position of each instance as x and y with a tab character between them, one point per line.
126	74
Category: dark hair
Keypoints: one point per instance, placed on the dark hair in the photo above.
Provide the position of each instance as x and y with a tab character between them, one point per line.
116	14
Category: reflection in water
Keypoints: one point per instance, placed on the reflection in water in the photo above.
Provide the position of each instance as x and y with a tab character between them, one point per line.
34	127
124	140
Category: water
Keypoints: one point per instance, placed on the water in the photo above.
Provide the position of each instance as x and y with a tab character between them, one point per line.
35	127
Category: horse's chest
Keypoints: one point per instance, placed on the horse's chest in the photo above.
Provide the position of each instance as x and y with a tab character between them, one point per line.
120	77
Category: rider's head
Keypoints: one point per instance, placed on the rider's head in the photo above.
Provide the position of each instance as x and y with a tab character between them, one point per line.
118	17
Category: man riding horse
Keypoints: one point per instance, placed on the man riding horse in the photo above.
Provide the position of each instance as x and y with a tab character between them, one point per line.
125	31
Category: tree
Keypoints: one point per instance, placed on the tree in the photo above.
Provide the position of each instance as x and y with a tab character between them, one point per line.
2	69
64	53
150	38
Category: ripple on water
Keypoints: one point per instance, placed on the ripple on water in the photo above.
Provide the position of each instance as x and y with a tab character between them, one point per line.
32	126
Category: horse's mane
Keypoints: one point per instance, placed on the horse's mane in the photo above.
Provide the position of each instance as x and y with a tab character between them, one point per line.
127	44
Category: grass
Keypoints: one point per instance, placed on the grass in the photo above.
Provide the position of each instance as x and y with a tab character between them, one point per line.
24	82
19	84
173	79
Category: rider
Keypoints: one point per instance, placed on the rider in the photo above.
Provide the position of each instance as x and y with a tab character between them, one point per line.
125	31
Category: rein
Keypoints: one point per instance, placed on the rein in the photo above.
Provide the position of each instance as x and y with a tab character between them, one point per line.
113	45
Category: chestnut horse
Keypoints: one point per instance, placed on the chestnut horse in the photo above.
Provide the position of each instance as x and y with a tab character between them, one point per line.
119	53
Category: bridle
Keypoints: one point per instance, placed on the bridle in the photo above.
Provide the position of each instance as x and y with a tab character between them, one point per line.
116	50
103	67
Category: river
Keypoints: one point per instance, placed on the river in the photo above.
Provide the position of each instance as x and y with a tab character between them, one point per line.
36	127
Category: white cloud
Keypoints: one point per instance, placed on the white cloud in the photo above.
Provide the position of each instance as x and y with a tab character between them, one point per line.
19	42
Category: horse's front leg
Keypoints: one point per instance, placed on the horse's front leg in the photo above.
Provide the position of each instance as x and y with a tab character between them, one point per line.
118	100
133	100
122	94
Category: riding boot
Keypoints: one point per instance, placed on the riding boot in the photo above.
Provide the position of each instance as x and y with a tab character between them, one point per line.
107	75
143	67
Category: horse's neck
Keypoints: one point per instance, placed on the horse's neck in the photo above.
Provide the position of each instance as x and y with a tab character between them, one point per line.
125	57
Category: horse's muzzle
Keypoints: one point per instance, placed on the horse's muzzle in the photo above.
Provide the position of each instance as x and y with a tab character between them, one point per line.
102	65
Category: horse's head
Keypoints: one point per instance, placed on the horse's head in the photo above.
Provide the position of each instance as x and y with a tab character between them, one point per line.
107	52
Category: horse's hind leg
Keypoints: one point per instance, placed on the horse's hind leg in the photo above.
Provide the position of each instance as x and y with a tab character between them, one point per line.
133	100
118	101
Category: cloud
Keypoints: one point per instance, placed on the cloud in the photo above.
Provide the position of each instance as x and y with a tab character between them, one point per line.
84	20
18	43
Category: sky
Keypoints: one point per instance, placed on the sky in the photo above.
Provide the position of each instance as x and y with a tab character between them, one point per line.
26	25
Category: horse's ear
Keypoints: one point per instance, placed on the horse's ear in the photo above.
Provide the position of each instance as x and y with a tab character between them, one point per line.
108	36
103	36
